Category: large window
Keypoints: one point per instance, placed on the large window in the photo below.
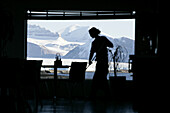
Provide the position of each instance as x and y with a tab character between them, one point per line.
70	39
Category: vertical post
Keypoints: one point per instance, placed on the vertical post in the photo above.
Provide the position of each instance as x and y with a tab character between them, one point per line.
115	66
47	14
55	70
55	80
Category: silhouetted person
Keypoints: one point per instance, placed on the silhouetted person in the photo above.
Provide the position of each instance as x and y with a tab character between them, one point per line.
99	46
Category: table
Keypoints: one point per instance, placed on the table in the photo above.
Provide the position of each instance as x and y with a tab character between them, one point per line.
55	66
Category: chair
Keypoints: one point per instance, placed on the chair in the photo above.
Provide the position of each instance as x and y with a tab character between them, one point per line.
77	76
17	76
30	81
10	72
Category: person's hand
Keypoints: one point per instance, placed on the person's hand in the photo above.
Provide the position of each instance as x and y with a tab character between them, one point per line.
90	62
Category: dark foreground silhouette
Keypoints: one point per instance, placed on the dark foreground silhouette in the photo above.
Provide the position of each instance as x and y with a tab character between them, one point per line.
99	47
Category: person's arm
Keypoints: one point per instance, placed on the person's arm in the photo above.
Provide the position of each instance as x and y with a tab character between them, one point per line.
90	57
91	54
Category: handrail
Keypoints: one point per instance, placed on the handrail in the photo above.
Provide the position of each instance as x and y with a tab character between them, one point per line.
52	66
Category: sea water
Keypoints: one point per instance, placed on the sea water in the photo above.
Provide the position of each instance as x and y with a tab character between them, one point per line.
89	75
90	70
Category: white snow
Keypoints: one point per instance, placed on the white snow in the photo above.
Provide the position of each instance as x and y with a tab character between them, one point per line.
73	42
75	33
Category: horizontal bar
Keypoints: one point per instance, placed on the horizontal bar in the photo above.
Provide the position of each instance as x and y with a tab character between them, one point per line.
75	14
52	66
81	17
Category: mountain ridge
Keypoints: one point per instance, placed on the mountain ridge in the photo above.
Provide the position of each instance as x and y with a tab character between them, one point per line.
73	42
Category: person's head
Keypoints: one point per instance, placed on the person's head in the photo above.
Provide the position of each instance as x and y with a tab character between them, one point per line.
94	32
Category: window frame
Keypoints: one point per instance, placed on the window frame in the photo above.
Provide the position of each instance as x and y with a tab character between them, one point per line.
73	15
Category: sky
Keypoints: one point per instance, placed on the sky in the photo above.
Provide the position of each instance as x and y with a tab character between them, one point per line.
117	28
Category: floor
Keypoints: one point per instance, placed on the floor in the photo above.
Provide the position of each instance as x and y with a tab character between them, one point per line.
85	106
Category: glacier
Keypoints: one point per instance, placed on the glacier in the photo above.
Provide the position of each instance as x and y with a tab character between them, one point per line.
72	42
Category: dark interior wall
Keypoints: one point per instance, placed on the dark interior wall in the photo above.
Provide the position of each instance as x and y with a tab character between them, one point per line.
147	11
15	14
16	47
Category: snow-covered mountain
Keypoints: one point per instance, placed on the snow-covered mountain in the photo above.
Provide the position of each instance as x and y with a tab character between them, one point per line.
82	51
73	42
52	41
75	33
39	51
37	32
62	46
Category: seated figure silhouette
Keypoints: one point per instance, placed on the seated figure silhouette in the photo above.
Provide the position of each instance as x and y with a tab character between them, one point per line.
99	46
